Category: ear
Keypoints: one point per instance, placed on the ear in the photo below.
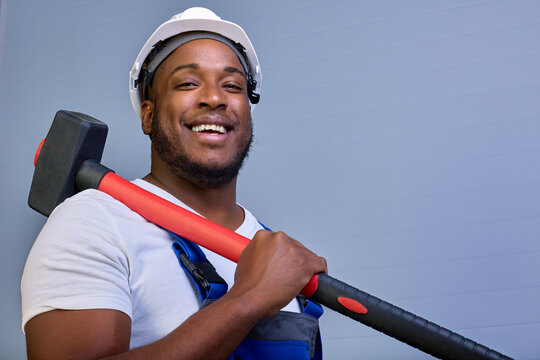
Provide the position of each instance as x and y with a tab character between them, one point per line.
147	115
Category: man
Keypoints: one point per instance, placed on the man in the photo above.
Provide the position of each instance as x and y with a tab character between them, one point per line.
100	281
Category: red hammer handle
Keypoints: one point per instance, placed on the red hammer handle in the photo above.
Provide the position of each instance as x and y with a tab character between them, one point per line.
175	218
180	221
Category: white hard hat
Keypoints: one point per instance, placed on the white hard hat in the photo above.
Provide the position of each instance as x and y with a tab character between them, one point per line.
197	19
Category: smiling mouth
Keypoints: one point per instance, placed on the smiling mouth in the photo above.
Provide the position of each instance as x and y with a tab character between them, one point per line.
210	128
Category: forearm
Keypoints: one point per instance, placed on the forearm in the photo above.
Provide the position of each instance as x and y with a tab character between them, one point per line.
211	333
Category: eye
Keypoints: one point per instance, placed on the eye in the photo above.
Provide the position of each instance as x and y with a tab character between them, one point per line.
186	85
234	87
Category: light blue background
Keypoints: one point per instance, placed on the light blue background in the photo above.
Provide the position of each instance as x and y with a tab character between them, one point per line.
400	139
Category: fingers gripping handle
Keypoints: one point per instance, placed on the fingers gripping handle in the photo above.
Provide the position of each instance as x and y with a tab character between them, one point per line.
398	323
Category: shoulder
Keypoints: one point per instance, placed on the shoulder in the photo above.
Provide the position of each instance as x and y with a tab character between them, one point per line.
87	201
88	211
83	226
79	248
84	221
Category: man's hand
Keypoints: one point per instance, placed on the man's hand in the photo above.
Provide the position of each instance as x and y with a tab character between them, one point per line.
273	269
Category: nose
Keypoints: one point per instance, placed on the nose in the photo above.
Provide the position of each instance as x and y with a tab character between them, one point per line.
213	97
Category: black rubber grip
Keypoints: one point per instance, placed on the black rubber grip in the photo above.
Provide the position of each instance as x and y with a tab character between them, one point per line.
90	174
400	324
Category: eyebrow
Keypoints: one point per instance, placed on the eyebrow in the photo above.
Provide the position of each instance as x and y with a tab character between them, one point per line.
186	66
234	70
196	67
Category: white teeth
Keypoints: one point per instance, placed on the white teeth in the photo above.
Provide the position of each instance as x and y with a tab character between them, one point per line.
211	127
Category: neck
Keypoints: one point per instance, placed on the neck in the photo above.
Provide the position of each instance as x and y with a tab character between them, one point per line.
216	204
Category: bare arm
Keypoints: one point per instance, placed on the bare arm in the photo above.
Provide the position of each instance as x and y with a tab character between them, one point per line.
271	272
211	333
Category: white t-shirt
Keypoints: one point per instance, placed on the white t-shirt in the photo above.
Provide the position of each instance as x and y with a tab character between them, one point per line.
95	253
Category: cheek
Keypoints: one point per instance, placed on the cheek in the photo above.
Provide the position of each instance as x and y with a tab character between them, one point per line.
243	110
175	101
173	109
248	133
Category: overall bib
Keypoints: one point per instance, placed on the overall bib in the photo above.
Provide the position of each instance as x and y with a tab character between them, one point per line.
286	335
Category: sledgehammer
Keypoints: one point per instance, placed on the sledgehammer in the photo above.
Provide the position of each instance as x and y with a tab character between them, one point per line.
68	162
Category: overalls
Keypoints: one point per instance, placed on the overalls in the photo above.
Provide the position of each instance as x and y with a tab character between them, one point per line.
286	335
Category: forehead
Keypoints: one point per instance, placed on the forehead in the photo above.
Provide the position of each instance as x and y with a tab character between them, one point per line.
207	53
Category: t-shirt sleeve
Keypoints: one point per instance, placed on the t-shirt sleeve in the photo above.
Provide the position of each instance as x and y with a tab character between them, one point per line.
77	262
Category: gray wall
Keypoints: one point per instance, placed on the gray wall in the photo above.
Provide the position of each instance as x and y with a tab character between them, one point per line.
400	139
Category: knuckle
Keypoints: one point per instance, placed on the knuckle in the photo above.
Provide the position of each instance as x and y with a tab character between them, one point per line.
261	233
281	238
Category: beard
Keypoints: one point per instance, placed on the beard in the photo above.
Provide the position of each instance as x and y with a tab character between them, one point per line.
206	175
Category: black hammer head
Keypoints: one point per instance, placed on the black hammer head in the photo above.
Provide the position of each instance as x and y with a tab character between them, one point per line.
72	139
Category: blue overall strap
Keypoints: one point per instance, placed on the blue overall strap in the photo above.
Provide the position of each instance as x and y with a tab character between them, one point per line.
210	286
264	226
312	308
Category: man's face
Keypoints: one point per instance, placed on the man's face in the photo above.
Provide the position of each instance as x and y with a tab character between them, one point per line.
201	126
